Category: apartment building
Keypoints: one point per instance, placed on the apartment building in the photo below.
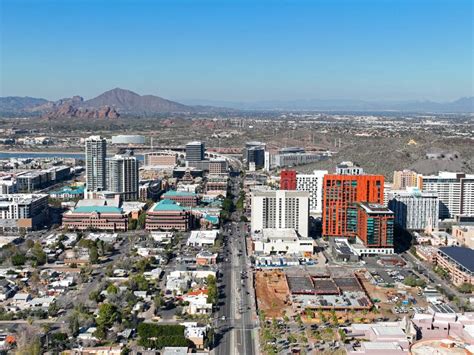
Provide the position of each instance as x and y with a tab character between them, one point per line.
455	192
27	211
404	178
374	225
280	209
459	262
96	152
122	176
312	183
415	209
340	196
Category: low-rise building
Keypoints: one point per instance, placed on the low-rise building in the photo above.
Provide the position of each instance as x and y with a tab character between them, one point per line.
282	241
160	159
459	262
197	302
168	215
202	238
104	218
464	234
188	199
391	338
23	211
206	258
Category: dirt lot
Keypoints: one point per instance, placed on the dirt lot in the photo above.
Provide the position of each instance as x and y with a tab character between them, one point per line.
384	294
272	293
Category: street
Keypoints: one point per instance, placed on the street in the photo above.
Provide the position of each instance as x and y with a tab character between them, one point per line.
238	332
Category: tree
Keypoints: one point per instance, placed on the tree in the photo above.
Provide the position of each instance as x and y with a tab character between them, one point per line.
38	254
93	254
18	259
74	324
212	292
141	220
209	340
94	296
29	243
158	301
132	223
465	288
108	315
139	282
412	281
112	289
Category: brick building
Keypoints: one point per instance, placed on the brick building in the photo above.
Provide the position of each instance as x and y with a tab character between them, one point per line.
184	198
168	215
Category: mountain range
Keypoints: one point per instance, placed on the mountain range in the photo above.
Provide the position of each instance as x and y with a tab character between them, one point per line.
113	103
462	105
109	104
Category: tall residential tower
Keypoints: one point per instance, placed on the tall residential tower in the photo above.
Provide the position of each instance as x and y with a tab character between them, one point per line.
96	152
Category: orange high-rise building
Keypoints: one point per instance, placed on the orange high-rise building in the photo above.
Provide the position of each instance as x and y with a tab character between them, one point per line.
340	196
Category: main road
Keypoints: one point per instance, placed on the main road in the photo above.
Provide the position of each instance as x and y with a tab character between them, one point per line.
237	321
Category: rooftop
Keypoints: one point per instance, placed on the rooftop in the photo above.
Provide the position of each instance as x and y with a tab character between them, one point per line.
283	234
171	193
374	208
167	205
461	255
98	209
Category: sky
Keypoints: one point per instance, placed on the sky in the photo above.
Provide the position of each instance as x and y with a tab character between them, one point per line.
234	50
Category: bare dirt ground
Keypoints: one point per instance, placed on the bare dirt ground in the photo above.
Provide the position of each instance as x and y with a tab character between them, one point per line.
272	293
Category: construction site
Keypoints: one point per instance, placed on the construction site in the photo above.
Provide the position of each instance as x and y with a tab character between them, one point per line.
294	291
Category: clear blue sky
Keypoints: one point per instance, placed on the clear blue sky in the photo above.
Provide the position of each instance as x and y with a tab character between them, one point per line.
238	50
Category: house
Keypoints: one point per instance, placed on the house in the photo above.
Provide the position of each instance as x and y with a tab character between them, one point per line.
154	274
7	289
21	299
87	334
206	258
41	302
195	333
197	302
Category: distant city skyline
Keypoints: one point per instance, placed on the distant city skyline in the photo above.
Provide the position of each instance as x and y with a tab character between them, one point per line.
239	50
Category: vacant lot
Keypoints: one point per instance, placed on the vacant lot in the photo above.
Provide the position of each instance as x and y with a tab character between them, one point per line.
272	293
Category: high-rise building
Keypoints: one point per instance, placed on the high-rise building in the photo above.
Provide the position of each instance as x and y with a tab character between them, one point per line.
414	209
122	176
340	195
404	178
374	225
455	192
288	180
280	209
312	183
195	151
348	168
96	152
254	152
